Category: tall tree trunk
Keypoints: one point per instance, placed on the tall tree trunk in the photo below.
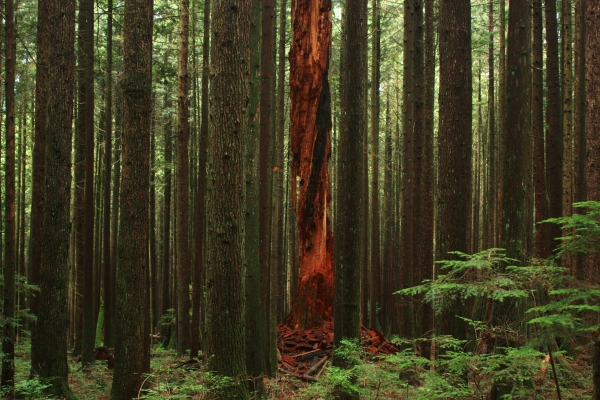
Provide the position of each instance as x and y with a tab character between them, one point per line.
351	195
200	204
375	266
132	350
256	322
580	110
89	314
592	121
38	170
502	120
408	173
492	139
108	289
53	318
542	249
78	207
455	127
310	142
422	243
554	137
567	101
167	277
427	161
10	257
266	71
182	185
225	342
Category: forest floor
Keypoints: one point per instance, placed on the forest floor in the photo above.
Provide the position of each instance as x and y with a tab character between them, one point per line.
403	375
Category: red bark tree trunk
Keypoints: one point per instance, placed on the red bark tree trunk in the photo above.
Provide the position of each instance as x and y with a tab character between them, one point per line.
311	147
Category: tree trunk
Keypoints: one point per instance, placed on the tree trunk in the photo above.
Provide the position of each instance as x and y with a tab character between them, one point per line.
310	142
182	185
132	350
518	127
351	195
408	173
225	341
492	139
455	127
89	314
567	100
167	277
592	121
10	256
427	162
579	123
38	170
554	137
256	322
502	118
108	289
200	203
53	318
266	70
542	249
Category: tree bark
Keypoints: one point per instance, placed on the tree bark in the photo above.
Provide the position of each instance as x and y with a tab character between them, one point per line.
542	248
230	55
132	350
351	194
554	137
492	139
10	256
53	317
455	127
182	185
518	127
38	170
108	289
310	142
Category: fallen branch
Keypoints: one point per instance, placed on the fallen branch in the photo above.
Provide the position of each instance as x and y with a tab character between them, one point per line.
298	376
316	366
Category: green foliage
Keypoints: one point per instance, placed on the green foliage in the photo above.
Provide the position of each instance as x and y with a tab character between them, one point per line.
583	229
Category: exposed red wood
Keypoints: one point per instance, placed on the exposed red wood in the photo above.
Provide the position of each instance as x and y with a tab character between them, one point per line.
311	147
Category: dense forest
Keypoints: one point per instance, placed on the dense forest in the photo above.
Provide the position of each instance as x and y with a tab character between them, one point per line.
348	199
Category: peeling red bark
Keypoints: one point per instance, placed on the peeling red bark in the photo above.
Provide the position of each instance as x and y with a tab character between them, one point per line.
311	148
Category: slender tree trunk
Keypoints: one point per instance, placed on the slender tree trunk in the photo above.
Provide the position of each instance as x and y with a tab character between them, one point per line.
427	161
38	170
182	185
592	121
167	277
408	173
554	137
200	204
351	195
542	249
78	208
154	268
502	120
53	318
455	127
567	101
107	261
375	265
422	243
492	139
132	350
10	256
580	110
256	323
225	342
266	70
310	142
